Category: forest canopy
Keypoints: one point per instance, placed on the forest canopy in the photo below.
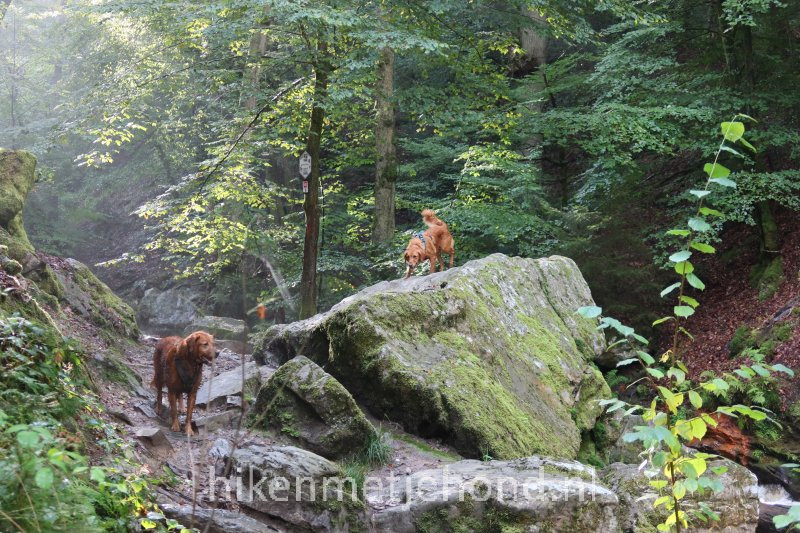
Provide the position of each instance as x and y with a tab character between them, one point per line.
532	128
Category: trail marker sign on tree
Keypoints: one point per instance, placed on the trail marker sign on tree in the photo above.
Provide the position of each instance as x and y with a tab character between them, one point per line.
305	165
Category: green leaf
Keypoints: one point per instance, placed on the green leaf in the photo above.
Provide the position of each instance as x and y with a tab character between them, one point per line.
662	320
727	148
695	282
626	362
684	267
27	439
646	357
683	311
44	478
695	399
656	373
97	474
733	131
669	289
679	257
702	247
699	194
679	232
716	170
708	211
589	311
725	182
747	144
689	300
760	370
781	368
698	224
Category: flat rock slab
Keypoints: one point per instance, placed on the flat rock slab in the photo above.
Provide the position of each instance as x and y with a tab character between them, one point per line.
218	521
528	494
154	439
211	423
215	392
298	487
220	327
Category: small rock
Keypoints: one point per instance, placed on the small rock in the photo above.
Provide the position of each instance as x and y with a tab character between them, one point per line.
122	417
154	439
233	402
207	424
10	266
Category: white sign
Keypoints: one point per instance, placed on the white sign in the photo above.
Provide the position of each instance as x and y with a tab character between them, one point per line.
305	186
305	165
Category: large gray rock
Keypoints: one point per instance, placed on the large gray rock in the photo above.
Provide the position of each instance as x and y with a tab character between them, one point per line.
299	487
737	504
221	327
308	404
533	494
489	356
167	312
215	391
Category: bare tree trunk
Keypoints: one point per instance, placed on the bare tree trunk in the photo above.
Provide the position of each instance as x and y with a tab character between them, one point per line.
386	162
308	281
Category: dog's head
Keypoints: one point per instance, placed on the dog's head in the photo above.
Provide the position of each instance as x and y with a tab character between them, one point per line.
201	346
413	257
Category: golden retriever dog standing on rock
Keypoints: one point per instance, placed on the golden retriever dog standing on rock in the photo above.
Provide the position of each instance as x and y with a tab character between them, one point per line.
178	364
429	244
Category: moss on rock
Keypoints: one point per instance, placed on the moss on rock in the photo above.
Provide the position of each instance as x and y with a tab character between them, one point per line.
490	356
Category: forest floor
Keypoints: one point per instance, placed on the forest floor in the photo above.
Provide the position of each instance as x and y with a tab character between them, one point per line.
731	301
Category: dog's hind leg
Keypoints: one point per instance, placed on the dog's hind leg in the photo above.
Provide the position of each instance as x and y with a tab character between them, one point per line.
173	400
180	403
452	256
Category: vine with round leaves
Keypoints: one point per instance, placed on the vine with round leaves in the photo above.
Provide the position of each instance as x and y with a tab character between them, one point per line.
679	470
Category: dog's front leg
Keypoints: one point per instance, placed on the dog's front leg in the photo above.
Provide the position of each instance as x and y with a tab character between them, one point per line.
189	408
173	410
408	271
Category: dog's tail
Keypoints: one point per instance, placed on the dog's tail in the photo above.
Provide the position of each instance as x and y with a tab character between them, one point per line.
430	218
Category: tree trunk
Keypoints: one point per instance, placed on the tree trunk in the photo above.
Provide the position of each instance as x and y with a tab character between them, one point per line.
308	281
386	162
770	236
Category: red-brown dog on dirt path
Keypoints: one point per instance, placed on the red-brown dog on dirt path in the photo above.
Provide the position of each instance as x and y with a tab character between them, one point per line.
178	364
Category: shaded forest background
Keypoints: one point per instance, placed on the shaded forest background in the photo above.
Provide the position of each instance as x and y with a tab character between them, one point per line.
168	135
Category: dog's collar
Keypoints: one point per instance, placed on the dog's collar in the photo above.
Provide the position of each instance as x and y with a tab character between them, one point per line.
419	235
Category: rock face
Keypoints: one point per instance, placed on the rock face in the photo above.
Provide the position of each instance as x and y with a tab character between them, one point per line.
92	299
530	494
166	312
218	521
298	487
489	356
305	402
737	504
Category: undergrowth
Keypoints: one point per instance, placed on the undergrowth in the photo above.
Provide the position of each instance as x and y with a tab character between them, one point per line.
48	415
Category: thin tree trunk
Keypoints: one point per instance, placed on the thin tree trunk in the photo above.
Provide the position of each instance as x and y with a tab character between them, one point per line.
386	162
308	281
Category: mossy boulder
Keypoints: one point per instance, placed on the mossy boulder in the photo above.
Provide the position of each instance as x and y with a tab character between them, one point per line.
490	356
530	494
303	401
17	176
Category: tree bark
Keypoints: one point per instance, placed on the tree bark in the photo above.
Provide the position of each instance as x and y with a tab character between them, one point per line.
386	162
308	281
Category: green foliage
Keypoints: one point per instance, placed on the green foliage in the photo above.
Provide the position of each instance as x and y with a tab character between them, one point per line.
47	482
675	416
